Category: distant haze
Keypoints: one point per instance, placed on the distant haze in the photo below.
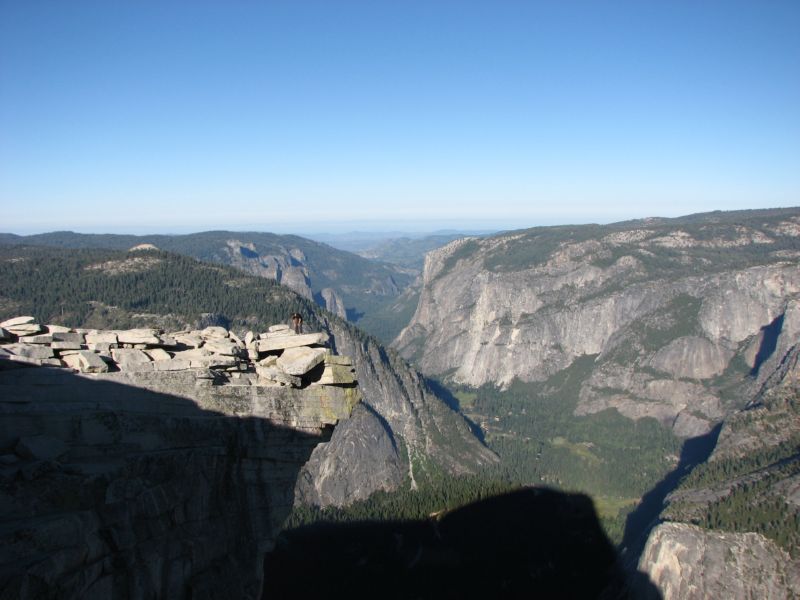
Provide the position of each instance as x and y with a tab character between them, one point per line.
377	229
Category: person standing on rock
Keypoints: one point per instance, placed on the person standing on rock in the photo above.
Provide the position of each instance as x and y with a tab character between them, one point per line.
297	322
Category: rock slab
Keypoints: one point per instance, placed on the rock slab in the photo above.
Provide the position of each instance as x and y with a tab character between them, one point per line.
299	361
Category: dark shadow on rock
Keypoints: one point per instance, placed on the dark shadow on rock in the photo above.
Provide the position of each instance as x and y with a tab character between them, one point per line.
446	396
111	490
353	315
247	253
645	516
531	543
383	422
319	300
769	342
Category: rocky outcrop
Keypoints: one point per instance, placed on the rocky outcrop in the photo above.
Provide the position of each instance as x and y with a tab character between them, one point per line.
685	561
144	350
673	326
128	479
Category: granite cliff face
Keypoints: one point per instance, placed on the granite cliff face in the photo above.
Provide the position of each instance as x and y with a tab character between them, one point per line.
287	266
140	464
686	561
732	528
400	431
676	312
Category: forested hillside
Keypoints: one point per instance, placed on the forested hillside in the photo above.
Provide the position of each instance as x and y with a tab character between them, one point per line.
103	289
346	284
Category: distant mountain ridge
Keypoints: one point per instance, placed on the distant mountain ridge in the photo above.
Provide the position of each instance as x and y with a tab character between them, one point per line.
344	283
406	251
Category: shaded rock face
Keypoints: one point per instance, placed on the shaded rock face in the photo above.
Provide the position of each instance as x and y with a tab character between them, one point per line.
148	483
333	303
405	427
358	461
666	319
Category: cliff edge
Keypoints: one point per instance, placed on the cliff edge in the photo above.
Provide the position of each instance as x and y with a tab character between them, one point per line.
141	464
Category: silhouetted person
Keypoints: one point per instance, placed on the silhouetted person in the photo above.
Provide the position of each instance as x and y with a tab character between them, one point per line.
297	322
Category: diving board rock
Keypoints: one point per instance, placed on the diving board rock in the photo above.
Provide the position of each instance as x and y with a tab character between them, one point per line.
68	337
57	329
157	354
214	331
278	356
223	346
192	339
284	342
17	321
299	361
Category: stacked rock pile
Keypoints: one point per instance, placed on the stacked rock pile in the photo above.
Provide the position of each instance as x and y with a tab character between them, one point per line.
278	356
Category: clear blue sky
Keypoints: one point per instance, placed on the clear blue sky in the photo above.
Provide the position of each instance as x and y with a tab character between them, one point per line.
166	115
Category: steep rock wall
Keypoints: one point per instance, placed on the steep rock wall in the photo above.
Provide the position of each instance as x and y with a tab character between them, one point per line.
400	425
149	484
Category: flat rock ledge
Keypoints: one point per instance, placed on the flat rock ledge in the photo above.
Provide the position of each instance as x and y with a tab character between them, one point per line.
277	357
